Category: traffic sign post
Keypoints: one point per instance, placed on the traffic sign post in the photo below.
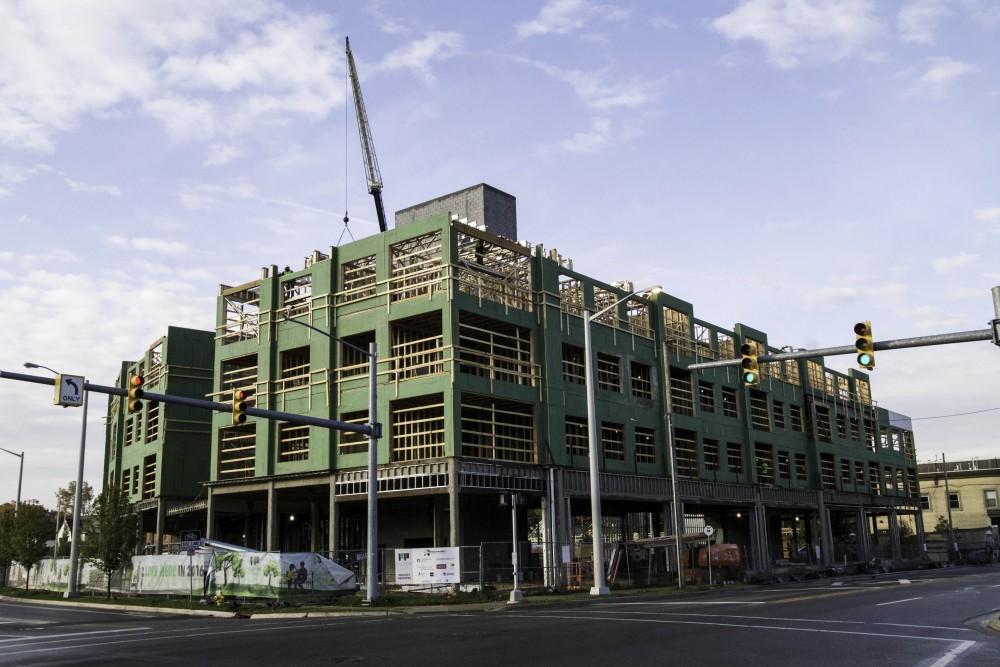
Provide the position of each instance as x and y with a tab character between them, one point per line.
709	531
68	391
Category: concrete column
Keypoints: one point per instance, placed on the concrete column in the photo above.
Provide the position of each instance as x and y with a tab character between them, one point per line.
272	518
141	542
918	519
759	550
210	515
161	519
333	535
455	519
897	547
313	526
825	533
864	548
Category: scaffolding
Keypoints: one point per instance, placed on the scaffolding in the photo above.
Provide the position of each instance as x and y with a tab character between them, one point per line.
613	441
296	294
498	430
577	438
350	442
237	451
494	350
416	267
571	295
418	428
494	269
417	347
242	309
149	477
293	442
359	280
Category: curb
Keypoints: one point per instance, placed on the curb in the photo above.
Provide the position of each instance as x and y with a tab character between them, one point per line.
124	607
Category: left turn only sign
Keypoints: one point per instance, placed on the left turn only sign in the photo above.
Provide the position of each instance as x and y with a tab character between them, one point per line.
69	391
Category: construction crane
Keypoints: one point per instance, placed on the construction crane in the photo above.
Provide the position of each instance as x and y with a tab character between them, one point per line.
367	144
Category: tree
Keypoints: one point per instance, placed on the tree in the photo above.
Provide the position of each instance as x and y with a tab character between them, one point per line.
271	570
942	524
6	529
65	498
29	532
114	523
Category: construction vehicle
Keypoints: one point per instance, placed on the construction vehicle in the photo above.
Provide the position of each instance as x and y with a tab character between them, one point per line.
367	143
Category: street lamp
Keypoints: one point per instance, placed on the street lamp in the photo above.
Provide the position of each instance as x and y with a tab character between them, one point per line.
74	550
20	475
371	593
600	587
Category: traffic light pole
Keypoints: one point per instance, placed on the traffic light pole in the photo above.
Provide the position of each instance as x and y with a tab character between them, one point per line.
895	344
304	420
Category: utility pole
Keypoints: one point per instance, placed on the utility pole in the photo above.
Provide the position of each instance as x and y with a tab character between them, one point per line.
20	476
952	547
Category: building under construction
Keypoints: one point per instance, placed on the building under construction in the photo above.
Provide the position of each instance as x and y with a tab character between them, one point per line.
159	455
481	392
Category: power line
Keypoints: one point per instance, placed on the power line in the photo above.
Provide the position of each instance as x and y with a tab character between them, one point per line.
957	414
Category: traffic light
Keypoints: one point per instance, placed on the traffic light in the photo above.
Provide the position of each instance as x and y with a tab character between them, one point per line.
135	393
239	407
751	371
865	345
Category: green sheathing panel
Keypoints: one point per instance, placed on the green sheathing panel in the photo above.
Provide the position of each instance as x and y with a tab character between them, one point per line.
114	432
552	397
181	442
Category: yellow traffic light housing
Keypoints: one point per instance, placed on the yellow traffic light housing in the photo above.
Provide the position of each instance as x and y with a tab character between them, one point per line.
751	369
865	345
239	407
135	393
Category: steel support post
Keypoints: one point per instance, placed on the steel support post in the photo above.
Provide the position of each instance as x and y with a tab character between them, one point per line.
372	555
272	518
333	536
597	520
72	590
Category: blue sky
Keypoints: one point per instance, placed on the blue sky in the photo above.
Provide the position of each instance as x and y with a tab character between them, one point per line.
795	165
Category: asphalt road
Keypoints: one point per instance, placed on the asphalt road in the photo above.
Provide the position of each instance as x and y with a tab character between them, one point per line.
931	621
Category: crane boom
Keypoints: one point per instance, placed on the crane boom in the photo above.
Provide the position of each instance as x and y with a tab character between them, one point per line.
367	143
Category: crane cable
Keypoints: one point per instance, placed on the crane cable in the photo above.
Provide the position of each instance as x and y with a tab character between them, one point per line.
347	120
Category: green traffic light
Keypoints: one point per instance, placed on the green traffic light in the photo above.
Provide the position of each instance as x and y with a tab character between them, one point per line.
865	359
750	377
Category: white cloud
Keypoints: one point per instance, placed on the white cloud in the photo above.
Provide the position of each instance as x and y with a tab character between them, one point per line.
794	31
600	89
221	154
419	54
989	214
562	17
828	295
918	20
929	317
954	262
146	244
198	68
663	23
79	186
590	141
386	23
940	75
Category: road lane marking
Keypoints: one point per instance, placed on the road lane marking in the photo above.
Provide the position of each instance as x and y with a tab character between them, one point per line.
626	604
76	634
7	620
882	604
182	635
952	653
691	613
61	608
932	627
742	625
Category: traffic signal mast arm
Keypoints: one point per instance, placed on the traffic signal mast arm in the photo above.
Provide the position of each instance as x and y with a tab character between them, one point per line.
304	420
895	344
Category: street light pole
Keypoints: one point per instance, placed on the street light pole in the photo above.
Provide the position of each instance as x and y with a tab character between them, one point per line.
600	586
371	571
20	476
371	594
74	549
